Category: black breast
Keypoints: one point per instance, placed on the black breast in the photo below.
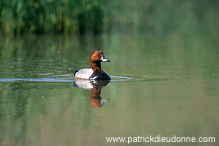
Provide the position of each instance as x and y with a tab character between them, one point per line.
99	76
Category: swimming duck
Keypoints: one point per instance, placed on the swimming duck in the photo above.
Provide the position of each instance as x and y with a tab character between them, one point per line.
95	72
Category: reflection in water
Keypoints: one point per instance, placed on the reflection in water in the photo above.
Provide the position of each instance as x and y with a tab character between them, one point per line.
95	93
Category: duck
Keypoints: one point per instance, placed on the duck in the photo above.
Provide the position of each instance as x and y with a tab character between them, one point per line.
95	72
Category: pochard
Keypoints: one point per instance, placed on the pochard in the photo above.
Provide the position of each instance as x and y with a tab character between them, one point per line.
95	72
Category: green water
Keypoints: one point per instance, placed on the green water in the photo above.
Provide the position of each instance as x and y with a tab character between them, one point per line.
173	90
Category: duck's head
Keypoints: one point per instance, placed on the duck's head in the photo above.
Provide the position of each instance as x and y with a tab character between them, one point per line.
98	56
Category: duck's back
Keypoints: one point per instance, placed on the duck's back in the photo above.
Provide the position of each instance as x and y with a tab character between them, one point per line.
84	73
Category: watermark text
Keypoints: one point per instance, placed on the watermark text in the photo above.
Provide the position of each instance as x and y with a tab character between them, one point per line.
158	138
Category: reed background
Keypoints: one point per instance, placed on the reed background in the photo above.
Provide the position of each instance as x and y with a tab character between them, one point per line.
102	16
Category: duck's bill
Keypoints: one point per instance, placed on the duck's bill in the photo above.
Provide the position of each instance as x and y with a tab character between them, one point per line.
104	59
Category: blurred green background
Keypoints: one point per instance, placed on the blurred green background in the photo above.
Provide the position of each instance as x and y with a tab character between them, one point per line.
103	16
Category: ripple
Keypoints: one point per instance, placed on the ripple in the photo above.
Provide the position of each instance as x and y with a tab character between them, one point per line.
65	78
37	80
120	78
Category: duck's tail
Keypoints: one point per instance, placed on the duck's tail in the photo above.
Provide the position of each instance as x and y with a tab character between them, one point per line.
75	70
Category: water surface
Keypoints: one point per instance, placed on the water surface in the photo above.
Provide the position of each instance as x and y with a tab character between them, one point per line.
161	86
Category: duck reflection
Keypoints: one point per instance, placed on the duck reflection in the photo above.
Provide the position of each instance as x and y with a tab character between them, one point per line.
95	94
